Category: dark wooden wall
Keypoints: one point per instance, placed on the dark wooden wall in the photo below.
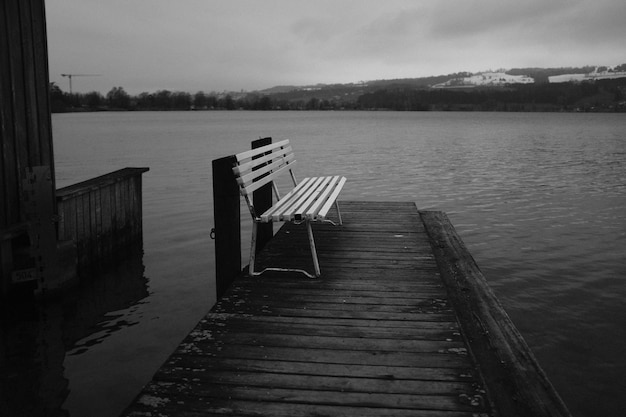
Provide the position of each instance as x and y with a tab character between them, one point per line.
25	139
25	125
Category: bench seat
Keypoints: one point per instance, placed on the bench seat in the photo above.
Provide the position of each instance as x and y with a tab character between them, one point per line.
310	200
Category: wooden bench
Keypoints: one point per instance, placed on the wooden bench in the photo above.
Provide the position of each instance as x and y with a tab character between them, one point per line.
309	201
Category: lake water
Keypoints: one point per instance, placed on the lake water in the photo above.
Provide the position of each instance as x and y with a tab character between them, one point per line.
539	199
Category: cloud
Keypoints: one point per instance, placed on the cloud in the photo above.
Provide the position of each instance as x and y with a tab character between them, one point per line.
197	44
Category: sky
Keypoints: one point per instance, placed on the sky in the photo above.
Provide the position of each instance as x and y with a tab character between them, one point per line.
233	45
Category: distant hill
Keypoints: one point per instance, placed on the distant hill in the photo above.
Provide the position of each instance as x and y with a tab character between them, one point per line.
517	89
489	78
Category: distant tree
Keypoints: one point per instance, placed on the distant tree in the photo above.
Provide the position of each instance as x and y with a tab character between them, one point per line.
145	101
118	98
263	103
180	101
58	101
227	102
93	100
211	101
163	99
200	100
313	104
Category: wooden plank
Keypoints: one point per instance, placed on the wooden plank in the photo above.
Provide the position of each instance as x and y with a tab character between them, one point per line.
74	190
334	356
285	202
106	214
41	85
299	204
250	186
331	199
137	183
31	129
385	329
506	360
258	151
261	159
94	233
7	185
208	391
201	407
265	165
319	382
330	194
203	363
16	141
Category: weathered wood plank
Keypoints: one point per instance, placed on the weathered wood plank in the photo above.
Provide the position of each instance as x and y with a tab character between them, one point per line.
208	407
506	361
407	327
318	382
207	391
186	363
444	332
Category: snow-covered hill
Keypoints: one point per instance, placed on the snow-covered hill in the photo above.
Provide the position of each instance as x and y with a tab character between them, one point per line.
491	79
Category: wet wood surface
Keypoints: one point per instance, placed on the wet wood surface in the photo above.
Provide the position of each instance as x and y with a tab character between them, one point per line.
374	336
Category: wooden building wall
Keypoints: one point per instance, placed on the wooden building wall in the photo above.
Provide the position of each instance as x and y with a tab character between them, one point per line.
25	124
27	186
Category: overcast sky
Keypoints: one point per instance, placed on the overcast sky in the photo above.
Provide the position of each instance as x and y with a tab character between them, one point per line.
211	45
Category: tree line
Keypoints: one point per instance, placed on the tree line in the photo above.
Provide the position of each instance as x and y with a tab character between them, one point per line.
599	95
118	99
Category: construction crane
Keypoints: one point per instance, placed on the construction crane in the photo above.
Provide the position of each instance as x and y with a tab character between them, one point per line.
69	76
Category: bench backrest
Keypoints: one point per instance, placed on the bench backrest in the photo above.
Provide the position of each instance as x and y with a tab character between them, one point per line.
255	168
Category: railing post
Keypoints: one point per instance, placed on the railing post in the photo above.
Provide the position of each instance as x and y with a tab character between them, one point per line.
227	220
262	201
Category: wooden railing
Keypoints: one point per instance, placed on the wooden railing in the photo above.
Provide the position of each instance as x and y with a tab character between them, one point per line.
103	215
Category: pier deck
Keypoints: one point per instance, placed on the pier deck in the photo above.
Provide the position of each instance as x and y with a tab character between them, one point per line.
376	335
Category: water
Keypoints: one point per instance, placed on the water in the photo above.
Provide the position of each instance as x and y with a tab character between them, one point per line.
539	199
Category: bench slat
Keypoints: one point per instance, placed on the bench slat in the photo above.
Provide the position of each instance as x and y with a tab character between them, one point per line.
244	167
254	152
247	190
299	206
314	210
330	200
285	202
311	200
251	176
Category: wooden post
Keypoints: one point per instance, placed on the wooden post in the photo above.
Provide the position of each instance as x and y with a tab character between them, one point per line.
262	201
227	219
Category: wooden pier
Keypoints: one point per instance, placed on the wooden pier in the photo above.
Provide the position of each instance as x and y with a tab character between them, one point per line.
400	323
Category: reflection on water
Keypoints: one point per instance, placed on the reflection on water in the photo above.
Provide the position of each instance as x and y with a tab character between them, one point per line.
35	335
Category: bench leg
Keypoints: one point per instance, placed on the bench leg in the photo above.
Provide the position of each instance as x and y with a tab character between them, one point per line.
253	249
316	263
338	212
